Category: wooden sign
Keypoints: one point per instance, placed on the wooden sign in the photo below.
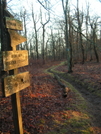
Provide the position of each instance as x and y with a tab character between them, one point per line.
16	38
12	23
15	83
14	59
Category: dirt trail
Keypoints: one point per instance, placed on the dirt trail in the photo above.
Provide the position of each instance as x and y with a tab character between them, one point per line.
94	101
45	111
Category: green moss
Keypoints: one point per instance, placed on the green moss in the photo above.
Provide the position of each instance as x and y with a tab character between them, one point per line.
79	123
57	122
86	132
88	86
63	131
98	93
42	121
76	124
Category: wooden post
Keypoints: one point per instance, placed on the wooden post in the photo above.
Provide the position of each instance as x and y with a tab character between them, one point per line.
6	46
16	108
17	118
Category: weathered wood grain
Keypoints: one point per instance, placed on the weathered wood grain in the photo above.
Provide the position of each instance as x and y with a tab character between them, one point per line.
13	24
14	59
15	83
16	38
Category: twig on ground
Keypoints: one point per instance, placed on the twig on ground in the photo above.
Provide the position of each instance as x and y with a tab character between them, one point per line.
65	88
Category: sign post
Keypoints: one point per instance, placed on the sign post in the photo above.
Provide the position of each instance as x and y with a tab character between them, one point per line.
16	108
12	82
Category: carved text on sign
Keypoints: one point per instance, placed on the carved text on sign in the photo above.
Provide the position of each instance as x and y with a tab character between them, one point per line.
15	59
13	24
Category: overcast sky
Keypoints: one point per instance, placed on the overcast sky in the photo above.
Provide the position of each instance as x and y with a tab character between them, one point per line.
95	5
56	7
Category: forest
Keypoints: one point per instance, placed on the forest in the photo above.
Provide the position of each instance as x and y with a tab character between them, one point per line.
75	35
64	54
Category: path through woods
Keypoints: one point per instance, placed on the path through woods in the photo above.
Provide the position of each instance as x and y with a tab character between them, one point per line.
44	109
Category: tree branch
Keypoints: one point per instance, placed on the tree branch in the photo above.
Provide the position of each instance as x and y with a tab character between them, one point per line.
42	5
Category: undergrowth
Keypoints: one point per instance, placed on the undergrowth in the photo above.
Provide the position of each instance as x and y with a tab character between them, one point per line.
76	119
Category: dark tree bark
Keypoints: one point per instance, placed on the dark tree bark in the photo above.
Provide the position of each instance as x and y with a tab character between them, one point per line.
36	36
93	25
80	22
65	9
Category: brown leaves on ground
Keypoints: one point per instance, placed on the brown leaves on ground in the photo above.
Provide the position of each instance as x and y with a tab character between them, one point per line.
44	102
90	72
43	107
40	103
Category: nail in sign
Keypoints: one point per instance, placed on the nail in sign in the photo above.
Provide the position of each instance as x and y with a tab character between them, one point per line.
15	83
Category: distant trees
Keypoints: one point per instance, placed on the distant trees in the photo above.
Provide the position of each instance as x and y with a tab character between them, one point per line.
94	29
53	45
74	37
87	30
79	16
35	32
68	46
43	34
24	16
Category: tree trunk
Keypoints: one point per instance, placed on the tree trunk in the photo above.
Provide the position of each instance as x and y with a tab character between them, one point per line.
96	54
80	29
24	19
43	44
65	9
36	37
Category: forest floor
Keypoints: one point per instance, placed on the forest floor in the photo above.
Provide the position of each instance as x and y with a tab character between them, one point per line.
46	111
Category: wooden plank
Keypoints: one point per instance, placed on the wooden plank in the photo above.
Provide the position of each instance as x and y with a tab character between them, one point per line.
15	83
15	98
16	38
15	59
13	24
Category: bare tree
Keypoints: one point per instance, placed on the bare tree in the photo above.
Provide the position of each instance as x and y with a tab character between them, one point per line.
70	21
53	44
36	32
80	22
23	15
43	34
65	10
86	25
46	48
93	25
